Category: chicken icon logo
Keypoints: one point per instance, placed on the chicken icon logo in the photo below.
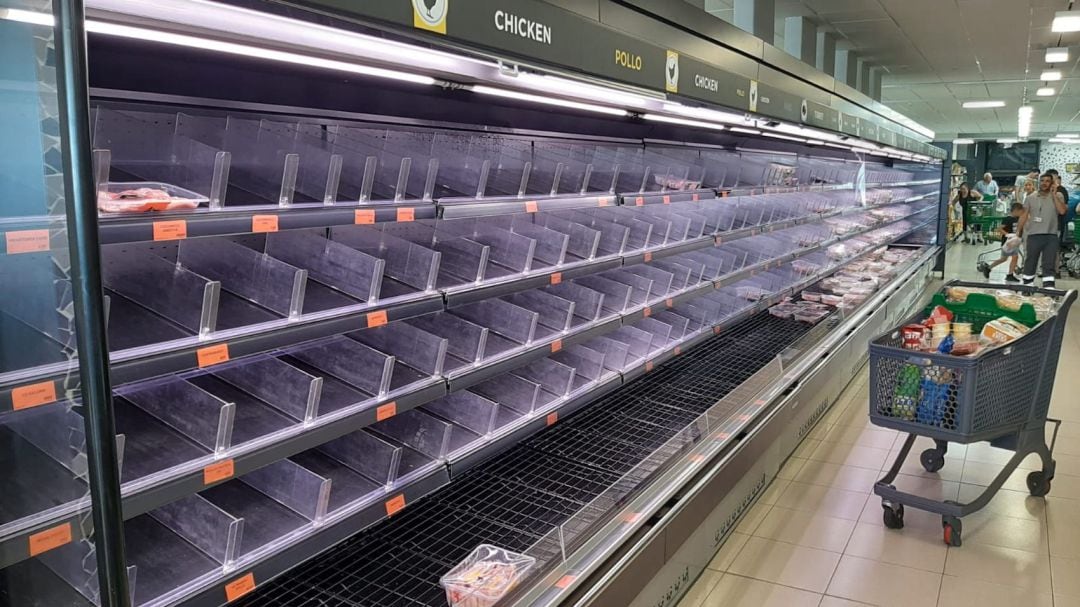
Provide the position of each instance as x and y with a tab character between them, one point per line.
430	15
671	72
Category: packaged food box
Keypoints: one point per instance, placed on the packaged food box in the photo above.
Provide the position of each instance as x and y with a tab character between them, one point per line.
144	196
811	296
1003	330
485	576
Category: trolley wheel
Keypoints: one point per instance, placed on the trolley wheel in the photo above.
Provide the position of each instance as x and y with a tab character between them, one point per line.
932	460
952	529
893	516
1038	484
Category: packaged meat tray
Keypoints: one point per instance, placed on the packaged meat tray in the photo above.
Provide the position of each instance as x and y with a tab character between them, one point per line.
146	196
485	576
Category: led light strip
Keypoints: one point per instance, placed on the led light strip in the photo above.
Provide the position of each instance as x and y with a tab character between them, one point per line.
684	122
508	94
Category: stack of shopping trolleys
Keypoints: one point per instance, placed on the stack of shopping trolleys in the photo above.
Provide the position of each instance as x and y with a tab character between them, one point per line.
1001	394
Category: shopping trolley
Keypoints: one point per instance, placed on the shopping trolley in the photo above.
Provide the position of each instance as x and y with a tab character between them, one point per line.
1002	395
985	258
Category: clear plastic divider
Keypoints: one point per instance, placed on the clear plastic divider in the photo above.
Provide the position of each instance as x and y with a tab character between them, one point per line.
262	279
331	263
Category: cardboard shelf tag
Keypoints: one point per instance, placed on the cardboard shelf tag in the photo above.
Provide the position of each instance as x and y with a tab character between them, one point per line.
44	541
264	223
395	504
217	472
406	214
170	230
26	241
376	319
239	587
364	217
212	355
552	417
33	395
386	411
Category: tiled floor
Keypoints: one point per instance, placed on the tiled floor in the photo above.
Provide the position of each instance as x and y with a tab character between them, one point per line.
816	537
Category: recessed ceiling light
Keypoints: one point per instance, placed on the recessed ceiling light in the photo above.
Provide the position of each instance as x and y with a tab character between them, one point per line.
1057	55
1009	140
963	141
1046	91
1068	135
1060	140
974	105
1066	21
1050	75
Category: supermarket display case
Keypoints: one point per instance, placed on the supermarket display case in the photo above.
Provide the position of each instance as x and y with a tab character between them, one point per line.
323	327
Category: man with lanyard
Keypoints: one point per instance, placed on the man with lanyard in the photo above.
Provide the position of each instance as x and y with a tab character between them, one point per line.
1039	225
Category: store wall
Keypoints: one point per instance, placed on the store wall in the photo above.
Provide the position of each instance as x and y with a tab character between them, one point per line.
1057	156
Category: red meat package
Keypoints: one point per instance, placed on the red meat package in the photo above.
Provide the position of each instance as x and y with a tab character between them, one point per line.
940	314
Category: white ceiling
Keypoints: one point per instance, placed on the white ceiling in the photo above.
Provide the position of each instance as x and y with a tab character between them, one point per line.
936	54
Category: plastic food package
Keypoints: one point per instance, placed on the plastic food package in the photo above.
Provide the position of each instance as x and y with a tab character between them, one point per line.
832	300
1003	330
811	296
485	576
751	293
940	314
147	196
783	310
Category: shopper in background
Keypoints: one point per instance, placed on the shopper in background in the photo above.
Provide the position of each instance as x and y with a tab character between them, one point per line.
1061	189
987	187
1010	241
964	196
1019	192
1039	225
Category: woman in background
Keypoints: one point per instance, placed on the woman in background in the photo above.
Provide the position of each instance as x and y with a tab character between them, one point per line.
964	196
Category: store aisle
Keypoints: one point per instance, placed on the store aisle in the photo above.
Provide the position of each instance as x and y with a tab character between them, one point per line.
816	538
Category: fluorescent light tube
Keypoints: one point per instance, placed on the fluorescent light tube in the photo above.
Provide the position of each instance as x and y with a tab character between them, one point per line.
1050	75
963	141
1066	21
588	107
32	17
684	122
1068	135
975	105
564	86
706	114
1046	91
1057	55
739	129
1008	140
785	137
147	35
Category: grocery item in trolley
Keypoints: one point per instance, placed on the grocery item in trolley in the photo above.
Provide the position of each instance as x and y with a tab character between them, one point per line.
485	576
144	197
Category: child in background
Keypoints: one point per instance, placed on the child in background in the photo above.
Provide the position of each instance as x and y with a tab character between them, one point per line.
1010	242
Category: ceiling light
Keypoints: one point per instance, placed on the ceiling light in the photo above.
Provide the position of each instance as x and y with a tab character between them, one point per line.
232	48
739	129
684	122
564	86
785	137
588	107
32	17
1066	21
1061	140
1046	91
840	146
706	114
1057	55
1009	140
975	105
1050	75
1068	135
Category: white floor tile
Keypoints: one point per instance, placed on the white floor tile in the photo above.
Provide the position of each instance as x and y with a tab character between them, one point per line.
898	547
1066	577
705	583
987	527
840	503
728	551
1018	504
774	491
786	564
883	584
966	592
835	475
999	565
737	591
850	455
813	530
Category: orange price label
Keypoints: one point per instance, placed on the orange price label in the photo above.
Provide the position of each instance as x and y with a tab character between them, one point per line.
264	223
212	355
552	417
170	230
395	504
26	241
696	197
603	202
44	541
669	302
376	319
556	346
386	411
719	241
647	312
217	472
678	350
667	199
531	207
648	366
556	278
716	330
565	581
33	395
648	256
632	517
364	217
639	201
406	214
697	458
239	587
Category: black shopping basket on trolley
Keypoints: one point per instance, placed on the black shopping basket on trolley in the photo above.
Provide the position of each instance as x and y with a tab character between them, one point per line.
1002	395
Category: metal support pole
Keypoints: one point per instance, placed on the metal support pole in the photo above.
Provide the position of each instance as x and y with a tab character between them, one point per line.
81	203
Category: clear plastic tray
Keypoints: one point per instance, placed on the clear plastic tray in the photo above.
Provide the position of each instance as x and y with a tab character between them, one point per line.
145	196
485	576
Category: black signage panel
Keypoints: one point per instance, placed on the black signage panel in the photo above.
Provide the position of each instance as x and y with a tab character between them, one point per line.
778	104
868	130
620	57
887	137
849	124
702	81
530	29
822	116
395	11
